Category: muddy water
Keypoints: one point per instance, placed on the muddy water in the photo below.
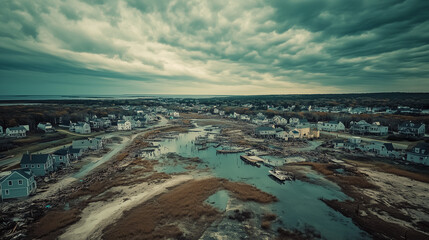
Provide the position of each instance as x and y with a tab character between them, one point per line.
299	204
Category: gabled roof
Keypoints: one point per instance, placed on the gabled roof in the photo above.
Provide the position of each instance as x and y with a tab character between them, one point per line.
75	150
81	124
389	146
423	145
62	152
25	172
410	125
334	122
17	128
34	158
121	122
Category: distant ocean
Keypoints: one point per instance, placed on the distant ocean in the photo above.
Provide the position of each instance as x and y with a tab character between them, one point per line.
87	97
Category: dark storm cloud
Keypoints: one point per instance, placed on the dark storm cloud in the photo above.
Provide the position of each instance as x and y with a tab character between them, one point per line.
325	46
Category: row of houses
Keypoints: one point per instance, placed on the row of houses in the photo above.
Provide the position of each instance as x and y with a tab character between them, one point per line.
22	183
418	154
299	132
378	148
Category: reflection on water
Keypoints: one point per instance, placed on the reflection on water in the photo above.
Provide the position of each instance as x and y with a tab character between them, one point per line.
299	202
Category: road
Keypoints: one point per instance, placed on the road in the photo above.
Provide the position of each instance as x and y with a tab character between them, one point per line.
365	139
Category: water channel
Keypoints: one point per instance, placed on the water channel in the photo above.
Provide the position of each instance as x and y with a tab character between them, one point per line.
299	204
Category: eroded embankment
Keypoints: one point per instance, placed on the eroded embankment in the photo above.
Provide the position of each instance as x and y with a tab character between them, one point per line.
181	211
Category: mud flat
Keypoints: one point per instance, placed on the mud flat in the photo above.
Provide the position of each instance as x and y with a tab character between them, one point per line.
385	205
181	212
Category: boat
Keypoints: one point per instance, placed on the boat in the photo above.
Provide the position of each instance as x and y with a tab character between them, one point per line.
281	175
203	148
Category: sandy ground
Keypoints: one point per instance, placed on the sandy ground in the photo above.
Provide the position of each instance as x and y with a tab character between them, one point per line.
396	190
98	215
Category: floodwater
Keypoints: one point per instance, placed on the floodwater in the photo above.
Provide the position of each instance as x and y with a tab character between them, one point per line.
299	205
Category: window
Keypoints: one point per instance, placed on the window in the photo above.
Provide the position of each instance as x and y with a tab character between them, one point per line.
6	192
32	165
38	165
10	183
20	182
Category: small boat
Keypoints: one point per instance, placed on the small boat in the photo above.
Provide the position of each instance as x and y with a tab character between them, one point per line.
203	148
281	175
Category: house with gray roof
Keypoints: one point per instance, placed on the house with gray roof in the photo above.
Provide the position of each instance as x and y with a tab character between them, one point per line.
61	158
88	144
18	183
419	154
362	127
80	127
17	132
75	153
265	131
332	126
412	129
383	149
40	164
46	127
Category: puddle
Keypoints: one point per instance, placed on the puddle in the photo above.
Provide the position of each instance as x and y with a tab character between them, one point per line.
219	200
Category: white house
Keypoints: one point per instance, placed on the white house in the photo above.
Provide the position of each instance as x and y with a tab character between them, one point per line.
332	126
293	121
80	127
265	131
216	111
46	127
383	149
283	135
419	154
362	127
412	129
279	120
17	132
124	125
245	117
90	143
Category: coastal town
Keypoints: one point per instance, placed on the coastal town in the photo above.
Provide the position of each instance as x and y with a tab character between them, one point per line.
60	163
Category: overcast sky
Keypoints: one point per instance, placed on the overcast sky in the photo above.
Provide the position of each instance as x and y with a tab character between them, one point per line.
213	47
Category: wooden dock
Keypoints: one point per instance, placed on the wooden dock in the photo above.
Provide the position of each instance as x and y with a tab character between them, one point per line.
252	160
230	150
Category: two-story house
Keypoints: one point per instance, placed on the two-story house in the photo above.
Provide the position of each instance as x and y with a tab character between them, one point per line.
17	132
61	158
124	125
18	183
40	164
332	126
412	129
88	144
419	154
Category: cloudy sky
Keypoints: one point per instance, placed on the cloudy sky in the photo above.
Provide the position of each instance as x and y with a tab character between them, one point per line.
213	47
